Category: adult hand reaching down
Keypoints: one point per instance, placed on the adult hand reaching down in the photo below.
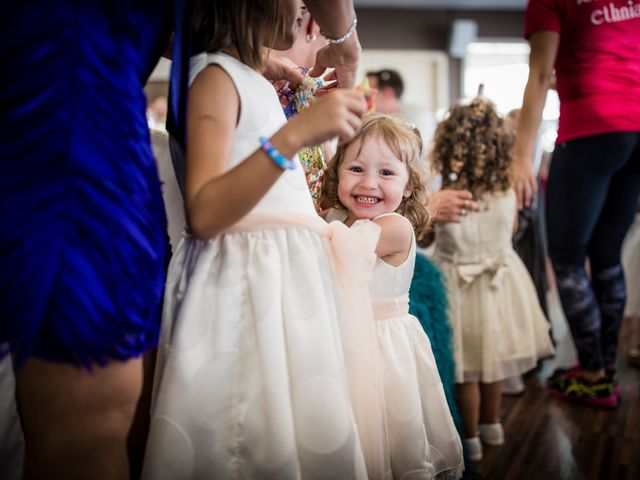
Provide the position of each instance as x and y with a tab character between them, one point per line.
452	205
338	23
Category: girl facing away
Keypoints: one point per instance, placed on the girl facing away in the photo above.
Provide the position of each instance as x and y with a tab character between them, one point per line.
376	177
250	380
499	329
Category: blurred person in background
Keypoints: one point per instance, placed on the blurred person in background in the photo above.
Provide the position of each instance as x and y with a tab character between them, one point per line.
594	178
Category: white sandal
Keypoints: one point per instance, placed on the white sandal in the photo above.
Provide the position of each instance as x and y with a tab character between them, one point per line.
473	447
491	433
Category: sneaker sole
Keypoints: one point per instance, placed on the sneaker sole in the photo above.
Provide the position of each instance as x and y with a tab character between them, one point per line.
609	402
493	443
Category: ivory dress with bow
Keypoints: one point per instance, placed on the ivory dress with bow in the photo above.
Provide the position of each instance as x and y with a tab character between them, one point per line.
499	329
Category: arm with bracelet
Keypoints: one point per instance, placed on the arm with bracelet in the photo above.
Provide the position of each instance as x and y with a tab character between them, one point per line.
338	22
280	160
216	196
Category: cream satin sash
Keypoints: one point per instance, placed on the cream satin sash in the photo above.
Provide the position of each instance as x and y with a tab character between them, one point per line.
391	307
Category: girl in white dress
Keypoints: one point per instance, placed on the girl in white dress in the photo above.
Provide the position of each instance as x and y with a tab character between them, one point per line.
376	177
250	380
499	329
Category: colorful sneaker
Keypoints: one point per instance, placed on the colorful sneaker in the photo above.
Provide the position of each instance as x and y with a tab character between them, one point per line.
562	374
612	376
575	389
491	433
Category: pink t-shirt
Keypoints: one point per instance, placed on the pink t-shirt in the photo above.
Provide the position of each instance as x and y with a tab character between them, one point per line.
598	63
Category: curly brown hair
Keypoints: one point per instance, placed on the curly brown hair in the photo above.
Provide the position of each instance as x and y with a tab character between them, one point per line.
406	144
472	149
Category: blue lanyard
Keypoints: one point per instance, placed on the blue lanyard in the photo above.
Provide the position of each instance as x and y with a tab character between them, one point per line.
176	123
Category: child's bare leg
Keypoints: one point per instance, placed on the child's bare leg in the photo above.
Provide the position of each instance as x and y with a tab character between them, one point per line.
76	422
137	440
491	394
469	402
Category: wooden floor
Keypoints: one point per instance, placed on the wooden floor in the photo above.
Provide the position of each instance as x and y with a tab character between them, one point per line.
550	439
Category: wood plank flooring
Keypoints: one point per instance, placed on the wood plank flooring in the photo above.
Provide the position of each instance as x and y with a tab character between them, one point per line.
549	439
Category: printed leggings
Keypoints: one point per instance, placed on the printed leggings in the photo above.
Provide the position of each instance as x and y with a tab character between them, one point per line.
592	194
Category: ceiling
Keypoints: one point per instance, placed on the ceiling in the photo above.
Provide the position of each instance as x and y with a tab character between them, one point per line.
444	4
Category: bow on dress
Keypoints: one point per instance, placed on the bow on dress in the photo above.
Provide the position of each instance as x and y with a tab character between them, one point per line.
496	266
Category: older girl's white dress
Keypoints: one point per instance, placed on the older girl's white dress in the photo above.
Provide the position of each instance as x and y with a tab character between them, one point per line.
499	329
250	381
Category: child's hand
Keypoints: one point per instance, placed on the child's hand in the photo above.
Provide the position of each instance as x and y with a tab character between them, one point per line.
336	114
281	70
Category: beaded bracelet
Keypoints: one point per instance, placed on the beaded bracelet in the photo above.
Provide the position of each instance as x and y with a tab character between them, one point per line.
280	160
344	37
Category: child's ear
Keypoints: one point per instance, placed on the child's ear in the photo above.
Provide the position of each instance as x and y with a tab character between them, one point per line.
408	191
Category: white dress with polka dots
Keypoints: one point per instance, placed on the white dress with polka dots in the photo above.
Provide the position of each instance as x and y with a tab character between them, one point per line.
250	381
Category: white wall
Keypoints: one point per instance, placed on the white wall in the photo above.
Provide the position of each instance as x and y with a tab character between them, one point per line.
424	72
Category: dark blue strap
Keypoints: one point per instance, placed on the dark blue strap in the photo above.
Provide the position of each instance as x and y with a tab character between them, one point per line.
176	121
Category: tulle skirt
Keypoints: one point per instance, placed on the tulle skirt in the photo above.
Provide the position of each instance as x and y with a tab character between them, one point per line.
422	438
499	329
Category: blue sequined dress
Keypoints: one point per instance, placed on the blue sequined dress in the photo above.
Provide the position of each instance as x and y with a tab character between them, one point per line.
82	223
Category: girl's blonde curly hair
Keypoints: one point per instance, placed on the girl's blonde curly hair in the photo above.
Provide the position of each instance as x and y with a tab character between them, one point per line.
472	149
406	143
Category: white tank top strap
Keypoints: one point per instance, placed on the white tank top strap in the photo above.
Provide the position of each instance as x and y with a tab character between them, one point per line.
388	215
394	214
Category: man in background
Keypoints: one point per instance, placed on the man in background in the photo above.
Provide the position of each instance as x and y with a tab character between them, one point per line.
390	87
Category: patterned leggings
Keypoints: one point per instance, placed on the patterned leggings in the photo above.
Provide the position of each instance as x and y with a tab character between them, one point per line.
592	193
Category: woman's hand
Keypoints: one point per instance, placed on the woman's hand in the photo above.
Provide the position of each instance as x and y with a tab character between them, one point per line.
336	18
451	206
343	57
278	69
524	183
544	49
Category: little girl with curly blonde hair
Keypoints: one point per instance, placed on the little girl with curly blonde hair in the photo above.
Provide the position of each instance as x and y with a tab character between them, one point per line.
499	329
